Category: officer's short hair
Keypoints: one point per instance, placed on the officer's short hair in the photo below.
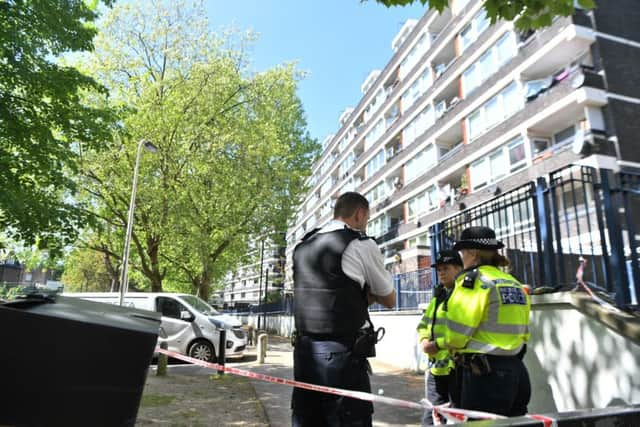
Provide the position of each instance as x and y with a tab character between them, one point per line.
348	203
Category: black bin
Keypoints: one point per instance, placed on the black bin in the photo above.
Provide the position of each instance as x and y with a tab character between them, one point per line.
70	362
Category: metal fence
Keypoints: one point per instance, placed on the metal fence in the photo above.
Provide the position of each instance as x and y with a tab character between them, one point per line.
413	289
549	225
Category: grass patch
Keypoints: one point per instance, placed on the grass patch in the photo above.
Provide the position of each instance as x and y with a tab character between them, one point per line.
224	378
151	400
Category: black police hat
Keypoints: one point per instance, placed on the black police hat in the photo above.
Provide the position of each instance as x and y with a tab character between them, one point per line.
447	257
478	238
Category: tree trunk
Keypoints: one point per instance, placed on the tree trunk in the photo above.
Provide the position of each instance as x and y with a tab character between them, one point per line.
112	271
155	275
204	286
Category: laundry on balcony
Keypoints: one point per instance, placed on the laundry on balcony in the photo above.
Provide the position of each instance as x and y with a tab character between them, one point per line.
536	87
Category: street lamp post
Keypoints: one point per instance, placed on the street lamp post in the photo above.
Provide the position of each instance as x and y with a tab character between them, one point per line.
260	280
124	282
266	294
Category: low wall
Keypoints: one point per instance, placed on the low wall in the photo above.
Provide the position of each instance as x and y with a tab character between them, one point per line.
580	356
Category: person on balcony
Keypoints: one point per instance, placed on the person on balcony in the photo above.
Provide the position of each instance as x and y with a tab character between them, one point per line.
487	328
440	383
337	273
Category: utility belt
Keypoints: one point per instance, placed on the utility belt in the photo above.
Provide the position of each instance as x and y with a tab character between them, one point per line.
362	344
481	364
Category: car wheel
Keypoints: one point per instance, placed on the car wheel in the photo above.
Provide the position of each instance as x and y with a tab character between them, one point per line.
203	350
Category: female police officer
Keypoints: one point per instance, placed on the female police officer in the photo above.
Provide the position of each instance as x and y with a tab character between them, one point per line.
439	378
487	327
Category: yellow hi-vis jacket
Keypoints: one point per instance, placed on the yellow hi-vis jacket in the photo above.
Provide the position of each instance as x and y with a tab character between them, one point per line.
440	363
488	313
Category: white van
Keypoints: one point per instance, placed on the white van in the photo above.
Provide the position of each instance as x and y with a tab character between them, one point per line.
189	325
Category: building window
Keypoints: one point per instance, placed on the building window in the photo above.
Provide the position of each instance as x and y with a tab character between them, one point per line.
327	164
376	132
378	226
494	111
420	240
378	193
418	125
564	136
472	31
375	104
504	161
326	186
418	165
414	55
416	206
489	63
424	202
419	87
375	164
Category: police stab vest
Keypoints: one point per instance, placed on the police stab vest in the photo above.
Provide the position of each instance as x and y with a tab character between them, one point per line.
327	301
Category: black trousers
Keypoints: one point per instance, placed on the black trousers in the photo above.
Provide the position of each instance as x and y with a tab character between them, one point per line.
439	390
329	363
505	390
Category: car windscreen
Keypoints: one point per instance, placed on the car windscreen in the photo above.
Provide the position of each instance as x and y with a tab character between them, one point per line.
199	305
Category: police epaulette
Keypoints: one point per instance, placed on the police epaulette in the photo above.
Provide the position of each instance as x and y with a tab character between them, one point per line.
309	234
470	278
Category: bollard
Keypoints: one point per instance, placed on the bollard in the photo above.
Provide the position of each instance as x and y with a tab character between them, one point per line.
262	347
222	346
163	359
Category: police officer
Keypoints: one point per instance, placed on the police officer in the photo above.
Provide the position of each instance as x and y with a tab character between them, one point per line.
440	377
487	328
337	272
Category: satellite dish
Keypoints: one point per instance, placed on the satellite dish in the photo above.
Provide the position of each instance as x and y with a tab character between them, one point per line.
580	145
577	81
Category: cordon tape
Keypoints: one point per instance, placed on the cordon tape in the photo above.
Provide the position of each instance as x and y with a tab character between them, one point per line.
450	413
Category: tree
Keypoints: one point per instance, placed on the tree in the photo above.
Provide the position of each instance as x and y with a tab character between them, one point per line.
233	147
85	270
529	14
44	121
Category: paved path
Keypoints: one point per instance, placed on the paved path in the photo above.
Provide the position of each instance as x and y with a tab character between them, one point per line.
276	398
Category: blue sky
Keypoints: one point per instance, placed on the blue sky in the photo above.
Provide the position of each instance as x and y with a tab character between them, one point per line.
338	42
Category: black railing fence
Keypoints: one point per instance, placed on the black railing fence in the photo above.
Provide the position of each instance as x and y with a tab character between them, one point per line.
549	225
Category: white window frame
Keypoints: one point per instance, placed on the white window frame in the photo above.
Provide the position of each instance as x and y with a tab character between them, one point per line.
376	163
505	110
489	171
478	24
489	63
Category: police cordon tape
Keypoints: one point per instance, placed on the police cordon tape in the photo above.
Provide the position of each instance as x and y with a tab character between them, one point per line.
450	413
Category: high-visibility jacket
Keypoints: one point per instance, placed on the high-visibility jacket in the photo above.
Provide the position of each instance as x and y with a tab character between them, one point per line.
487	312
440	363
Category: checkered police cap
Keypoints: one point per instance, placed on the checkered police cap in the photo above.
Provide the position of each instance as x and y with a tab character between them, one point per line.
478	238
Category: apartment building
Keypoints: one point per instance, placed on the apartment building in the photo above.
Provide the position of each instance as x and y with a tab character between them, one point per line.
465	110
244	287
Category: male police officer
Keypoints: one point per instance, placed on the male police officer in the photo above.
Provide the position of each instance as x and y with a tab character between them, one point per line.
440	377
337	271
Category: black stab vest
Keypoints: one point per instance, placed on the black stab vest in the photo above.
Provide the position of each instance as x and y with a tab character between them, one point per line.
327	301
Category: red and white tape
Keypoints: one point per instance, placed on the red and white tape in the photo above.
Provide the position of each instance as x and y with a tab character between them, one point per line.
547	421
450	413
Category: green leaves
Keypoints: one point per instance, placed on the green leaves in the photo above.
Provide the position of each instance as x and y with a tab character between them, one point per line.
44	121
233	146
528	14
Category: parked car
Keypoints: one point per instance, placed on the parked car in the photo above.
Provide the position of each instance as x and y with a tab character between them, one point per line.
189	325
